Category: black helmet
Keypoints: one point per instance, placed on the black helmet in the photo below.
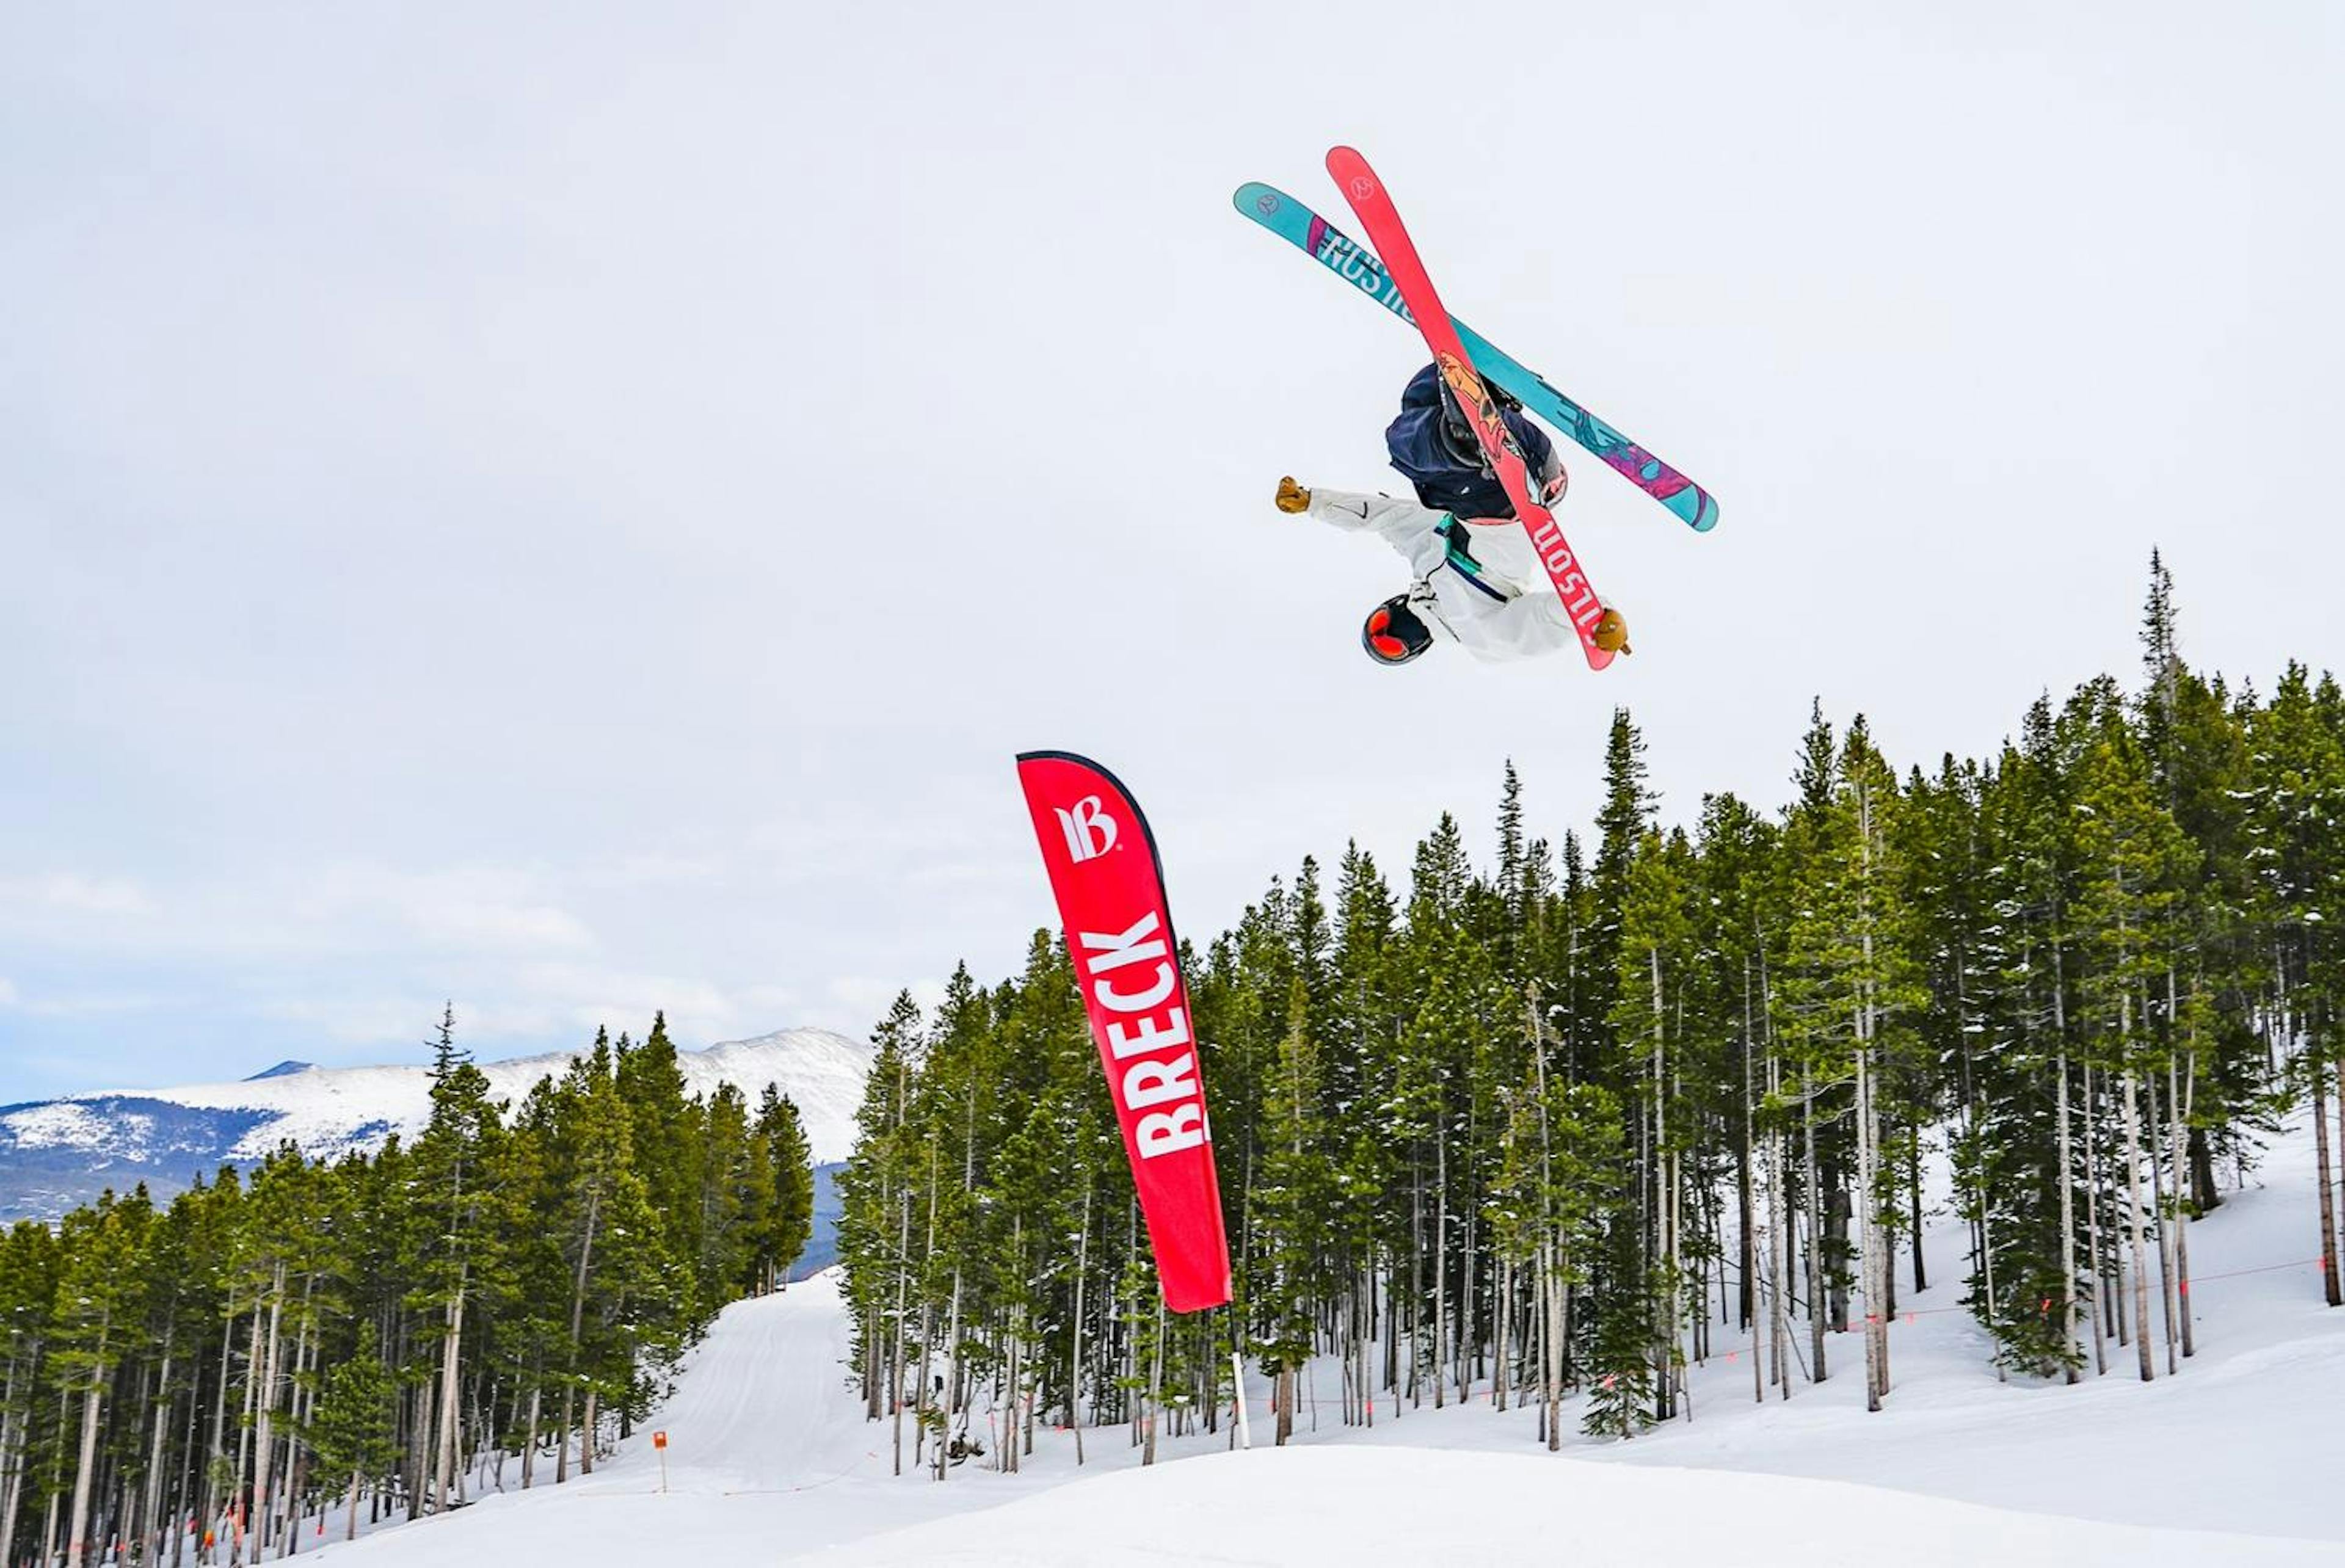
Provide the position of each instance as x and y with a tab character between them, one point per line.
1393	635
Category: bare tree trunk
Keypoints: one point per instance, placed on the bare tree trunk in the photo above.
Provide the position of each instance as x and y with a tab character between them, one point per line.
952	1380
1392	1334
1415	1271
1156	1380
562	1438
1075	1335
1665	1206
2070	1353
150	1502
1441	1263
56	1480
2133	1204
86	1472
2340	1135
1746	1182
1553	1304
1815	1225
896	1330
11	1450
577	1325
2164	1231
1868	1232
186	1512
1747	1200
1779	1328
1502	1282
49	1517
1467	1341
2181	1100
2327	1194
265	1414
529	1447
443	1469
235	1496
2093	1240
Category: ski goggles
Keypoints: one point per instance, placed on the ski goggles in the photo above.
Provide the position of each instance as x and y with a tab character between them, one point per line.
1393	637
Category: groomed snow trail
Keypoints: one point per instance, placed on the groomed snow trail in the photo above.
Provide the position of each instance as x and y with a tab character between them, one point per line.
768	1456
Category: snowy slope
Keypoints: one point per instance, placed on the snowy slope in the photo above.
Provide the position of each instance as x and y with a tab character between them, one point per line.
55	1153
2223	1444
770	1461
1409	1505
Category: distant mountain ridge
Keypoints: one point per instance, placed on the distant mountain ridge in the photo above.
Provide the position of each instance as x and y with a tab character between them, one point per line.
59	1153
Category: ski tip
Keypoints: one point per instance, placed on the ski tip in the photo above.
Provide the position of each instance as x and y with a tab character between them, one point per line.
1354	177
1255	198
1705	517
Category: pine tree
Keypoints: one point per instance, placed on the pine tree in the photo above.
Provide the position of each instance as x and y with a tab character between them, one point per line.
455	1234
2134	860
1656	956
1296	1209
787	1223
353	1427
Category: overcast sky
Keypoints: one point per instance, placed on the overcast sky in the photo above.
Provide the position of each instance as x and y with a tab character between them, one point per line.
572	509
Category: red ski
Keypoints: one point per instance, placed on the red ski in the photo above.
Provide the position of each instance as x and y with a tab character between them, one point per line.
1368	197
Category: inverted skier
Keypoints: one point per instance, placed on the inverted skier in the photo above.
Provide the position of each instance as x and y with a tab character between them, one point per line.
1477	581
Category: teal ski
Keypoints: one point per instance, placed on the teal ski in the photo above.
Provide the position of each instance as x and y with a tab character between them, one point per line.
1349	259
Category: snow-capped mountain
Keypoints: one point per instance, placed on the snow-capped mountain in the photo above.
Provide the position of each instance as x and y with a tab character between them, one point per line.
55	1154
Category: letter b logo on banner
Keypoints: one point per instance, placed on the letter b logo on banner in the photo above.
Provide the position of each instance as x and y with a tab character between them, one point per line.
1090	832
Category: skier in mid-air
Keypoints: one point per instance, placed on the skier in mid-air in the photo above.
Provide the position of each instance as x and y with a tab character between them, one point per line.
1477	581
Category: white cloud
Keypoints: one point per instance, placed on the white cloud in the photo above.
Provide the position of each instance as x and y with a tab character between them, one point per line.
483	909
858	1002
500	927
766	1001
69	893
90	1003
559	1003
8	992
654	870
385	1023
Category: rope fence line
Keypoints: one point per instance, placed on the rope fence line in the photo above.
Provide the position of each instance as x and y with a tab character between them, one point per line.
2266	1268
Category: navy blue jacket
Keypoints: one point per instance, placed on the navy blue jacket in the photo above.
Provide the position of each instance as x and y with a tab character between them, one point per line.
1446	465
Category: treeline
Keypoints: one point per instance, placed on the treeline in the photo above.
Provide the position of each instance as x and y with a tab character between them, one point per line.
1554	1126
213	1377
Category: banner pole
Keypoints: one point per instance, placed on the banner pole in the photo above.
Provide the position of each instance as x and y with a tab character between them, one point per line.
1237	1375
